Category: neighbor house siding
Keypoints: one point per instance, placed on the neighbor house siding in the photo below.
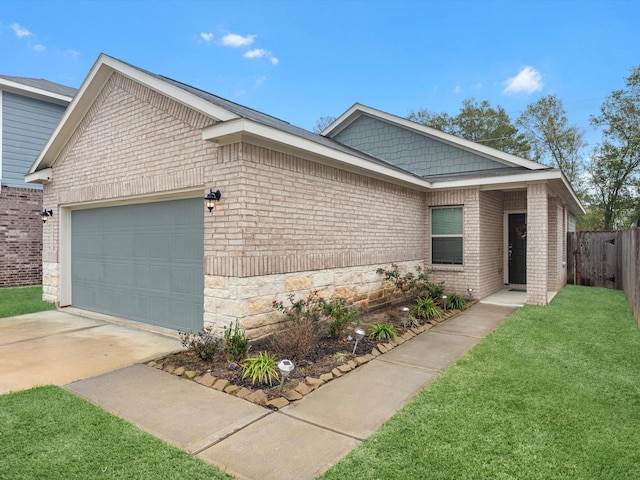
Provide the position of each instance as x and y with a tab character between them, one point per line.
20	237
410	150
26	126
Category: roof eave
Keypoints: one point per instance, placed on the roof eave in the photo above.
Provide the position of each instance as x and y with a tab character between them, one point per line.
242	129
39	93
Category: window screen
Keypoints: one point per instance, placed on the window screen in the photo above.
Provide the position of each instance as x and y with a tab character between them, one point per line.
446	235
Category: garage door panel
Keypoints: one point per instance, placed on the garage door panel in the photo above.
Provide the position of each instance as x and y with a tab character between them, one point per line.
141	262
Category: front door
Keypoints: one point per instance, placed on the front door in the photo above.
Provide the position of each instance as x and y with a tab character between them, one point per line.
517	248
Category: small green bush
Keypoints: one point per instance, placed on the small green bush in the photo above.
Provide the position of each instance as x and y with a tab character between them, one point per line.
455	301
426	308
410	321
412	284
383	331
436	290
204	342
236	344
262	368
338	314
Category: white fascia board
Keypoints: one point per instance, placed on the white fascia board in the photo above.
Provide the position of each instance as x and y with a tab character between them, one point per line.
22	89
99	74
357	110
242	129
42	177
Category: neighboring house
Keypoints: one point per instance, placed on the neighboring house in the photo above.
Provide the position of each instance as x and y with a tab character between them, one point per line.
127	169
29	111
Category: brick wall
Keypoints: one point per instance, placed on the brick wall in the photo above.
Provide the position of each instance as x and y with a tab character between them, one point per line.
537	244
491	242
20	237
283	214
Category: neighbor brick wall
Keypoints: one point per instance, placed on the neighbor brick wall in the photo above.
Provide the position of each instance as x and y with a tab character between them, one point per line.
20	237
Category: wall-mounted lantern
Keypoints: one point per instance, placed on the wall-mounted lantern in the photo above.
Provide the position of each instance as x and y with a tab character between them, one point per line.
45	215
211	199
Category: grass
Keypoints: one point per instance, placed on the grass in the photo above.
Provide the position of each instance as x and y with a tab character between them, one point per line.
21	300
552	393
47	432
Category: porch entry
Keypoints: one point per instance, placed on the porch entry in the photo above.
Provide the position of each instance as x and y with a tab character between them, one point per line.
517	248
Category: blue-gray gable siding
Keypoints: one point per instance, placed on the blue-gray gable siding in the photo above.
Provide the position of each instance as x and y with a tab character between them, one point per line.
26	126
412	151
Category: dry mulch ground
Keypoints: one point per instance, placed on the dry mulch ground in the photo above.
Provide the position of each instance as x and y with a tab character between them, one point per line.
327	354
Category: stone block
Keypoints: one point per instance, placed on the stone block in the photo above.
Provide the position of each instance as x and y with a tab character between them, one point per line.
231	389
352	364
381	348
326	377
278	403
220	384
313	382
344	368
298	282
258	397
303	389
291	395
243	393
190	374
336	373
362	360
178	371
261	305
375	352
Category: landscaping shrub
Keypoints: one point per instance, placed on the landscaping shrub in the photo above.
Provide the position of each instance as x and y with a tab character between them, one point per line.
412	285
262	368
436	290
383	331
338	314
296	341
236	343
426	308
204	342
455	301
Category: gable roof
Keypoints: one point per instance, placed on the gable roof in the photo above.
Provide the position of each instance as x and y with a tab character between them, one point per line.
232	122
357	110
38	87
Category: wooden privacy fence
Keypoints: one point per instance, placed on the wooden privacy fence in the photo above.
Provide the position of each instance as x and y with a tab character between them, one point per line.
606	259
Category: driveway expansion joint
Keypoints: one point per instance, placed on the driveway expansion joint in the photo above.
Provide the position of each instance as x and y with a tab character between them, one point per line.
55	334
323	427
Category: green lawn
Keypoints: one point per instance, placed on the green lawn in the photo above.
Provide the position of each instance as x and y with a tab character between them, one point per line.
554	393
21	300
48	433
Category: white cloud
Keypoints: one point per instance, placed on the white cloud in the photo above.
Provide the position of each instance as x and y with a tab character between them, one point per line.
38	47
477	86
19	30
207	37
261	53
235	40
74	54
457	89
528	80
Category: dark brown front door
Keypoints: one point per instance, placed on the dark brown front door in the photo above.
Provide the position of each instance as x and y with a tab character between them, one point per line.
517	248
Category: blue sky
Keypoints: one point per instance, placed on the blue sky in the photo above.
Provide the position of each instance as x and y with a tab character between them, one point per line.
301	60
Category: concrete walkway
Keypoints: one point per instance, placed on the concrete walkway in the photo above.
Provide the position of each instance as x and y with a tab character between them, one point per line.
305	438
54	347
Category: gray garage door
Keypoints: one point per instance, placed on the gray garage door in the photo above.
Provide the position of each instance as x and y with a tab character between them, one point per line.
142	262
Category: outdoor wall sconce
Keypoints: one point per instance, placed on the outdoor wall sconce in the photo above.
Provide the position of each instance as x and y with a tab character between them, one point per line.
45	215
359	333
285	367
211	199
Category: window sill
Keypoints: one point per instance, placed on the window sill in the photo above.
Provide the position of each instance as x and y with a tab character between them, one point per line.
446	268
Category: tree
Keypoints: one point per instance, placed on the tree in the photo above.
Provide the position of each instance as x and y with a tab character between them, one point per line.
322	123
553	142
480	123
615	168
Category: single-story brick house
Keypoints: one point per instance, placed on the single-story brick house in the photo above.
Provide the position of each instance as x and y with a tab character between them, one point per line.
29	111
127	169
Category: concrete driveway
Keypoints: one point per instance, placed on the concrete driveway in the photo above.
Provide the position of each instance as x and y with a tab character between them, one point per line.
56	347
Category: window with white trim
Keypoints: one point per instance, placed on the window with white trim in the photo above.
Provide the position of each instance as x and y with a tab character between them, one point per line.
446	235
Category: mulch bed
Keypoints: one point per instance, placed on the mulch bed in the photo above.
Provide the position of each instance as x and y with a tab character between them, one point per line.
327	355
